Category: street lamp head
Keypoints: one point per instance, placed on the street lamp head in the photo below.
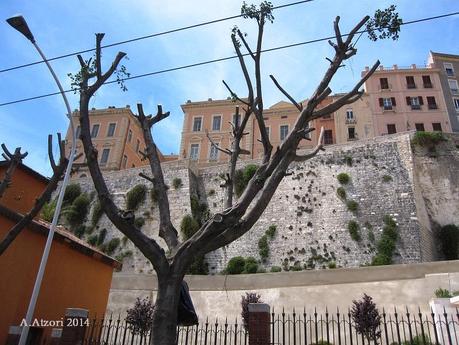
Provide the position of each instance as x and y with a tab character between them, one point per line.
19	23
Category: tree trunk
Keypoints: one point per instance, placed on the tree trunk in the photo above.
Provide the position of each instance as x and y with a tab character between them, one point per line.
164	328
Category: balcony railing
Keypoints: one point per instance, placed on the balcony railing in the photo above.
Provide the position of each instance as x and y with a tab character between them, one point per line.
351	121
415	107
455	91
387	87
428	86
432	106
411	86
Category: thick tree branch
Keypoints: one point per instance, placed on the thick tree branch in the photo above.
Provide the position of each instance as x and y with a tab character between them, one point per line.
166	230
44	197
298	106
246	45
99	38
212	143
319	147
244	69
149	247
234	95
14	160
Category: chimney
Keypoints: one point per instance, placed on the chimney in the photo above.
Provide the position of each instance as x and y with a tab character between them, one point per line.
395	66
209	99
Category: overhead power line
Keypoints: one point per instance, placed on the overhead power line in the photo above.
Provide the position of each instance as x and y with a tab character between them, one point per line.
147	36
224	59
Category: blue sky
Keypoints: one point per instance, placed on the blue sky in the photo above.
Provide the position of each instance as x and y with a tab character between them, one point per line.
65	26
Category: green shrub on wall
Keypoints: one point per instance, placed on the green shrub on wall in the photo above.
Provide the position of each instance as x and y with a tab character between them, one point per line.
188	226
343	178
47	211
271	232
242	178
72	191
136	196
250	266
387	243
275	269
177	183
77	212
428	139
341	192
352	205
112	245
235	265
101	237
263	247
354	230
97	212
139	222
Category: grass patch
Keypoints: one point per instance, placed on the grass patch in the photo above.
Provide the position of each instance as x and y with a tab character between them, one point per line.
343	178
354	230
136	196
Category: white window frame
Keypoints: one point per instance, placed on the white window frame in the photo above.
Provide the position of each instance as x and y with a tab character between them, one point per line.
98	130
220	127
197	153
387	103
280	131
200	126
448	66
108	130
456	104
454	90
212	149
102	163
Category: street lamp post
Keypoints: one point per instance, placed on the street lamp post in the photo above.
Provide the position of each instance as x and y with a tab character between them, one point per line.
18	22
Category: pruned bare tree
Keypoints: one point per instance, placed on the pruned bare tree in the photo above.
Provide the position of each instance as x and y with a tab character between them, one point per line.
58	171
13	159
237	218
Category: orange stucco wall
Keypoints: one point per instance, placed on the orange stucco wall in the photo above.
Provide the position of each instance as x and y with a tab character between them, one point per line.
21	194
72	280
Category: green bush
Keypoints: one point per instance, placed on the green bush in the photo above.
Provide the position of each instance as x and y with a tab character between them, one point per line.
242	178
136	196
97	212
352	205
121	256
177	183
72	191
92	240
449	241
250	265
443	293
275	269
341	192
354	230
188	226
101	237
332	265
387	178
139	222
112	245
199	266
371	236
385	246
47	211
76	213
428	139
381	260
235	265
343	178
263	247
271	232
80	231
296	268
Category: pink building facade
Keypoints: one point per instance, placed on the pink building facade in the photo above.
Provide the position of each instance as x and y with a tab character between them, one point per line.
408	98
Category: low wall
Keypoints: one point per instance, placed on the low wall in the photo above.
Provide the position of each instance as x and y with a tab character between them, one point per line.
397	285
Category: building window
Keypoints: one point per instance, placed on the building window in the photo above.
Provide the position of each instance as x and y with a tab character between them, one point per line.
426	81
137	146
349	114
387	103
449	69
414	102
213	154
419	127
283	132
95	131
453	86
216	123
267	131
410	84
328	137
436	127
129	136
104	158
391	129
197	124
383	82
432	104
78	132
351	133
456	103
111	130
194	152
124	163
